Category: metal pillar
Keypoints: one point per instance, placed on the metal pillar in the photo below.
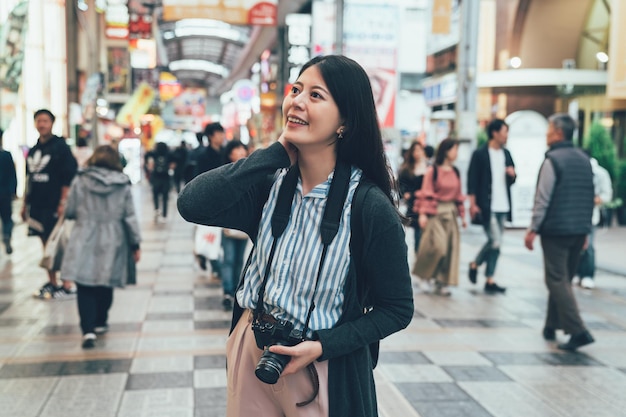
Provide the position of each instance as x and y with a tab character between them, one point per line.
339	27
467	91
71	42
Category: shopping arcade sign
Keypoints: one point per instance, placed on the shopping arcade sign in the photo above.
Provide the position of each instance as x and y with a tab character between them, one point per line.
236	12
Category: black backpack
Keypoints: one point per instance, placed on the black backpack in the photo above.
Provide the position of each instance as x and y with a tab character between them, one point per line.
161	165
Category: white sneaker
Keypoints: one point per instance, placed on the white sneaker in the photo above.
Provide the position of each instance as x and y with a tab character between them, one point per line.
441	289
89	341
587	283
576	280
424	286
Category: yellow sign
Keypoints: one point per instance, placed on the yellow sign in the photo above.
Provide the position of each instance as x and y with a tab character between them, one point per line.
442	13
616	86
236	12
137	106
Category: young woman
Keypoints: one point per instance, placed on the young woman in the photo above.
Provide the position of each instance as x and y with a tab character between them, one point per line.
104	243
410	177
330	133
439	205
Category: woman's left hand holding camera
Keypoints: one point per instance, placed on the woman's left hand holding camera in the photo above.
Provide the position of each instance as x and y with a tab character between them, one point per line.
301	354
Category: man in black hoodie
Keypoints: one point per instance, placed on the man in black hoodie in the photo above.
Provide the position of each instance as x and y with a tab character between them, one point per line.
50	169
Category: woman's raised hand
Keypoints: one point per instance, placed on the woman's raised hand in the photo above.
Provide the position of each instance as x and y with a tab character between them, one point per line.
292	151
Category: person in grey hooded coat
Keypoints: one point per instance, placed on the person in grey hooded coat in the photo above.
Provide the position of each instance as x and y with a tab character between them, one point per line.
104	243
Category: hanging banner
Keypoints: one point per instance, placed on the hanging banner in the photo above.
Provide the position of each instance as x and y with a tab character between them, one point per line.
12	43
137	106
118	73
371	38
446	25
236	12
442	14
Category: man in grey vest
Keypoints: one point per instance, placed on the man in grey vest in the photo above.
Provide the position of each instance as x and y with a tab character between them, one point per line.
562	217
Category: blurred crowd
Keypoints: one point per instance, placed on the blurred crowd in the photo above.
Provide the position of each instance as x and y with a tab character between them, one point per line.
68	188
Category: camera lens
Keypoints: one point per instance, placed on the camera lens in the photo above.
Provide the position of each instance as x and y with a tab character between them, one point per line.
270	366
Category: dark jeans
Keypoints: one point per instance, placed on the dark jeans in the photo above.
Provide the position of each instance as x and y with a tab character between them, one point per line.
160	191
417	234
234	250
560	259
216	267
491	249
93	306
6	211
587	263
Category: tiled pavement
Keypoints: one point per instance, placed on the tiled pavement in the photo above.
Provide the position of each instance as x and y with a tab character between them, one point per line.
466	355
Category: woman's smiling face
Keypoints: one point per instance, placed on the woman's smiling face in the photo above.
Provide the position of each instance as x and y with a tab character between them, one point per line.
310	112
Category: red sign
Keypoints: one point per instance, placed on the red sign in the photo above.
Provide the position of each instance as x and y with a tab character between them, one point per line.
263	13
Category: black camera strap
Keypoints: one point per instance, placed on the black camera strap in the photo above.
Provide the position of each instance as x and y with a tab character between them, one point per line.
328	229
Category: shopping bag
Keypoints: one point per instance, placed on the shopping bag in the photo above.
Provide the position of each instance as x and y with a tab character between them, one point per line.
55	246
208	242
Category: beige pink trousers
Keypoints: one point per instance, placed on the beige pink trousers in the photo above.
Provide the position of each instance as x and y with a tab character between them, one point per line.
249	397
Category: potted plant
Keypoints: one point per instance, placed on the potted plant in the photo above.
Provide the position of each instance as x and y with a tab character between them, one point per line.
601	147
481	138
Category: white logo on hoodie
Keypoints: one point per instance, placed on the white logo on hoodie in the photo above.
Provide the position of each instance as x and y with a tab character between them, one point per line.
36	164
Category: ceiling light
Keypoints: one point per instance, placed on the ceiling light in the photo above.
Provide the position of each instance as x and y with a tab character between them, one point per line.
515	62
199	65
602	57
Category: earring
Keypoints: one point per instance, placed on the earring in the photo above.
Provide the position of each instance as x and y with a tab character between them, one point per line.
340	134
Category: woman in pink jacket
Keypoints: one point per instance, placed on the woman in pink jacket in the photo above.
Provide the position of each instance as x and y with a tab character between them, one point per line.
439	203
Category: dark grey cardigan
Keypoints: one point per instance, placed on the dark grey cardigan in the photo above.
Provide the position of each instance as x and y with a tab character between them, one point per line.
233	196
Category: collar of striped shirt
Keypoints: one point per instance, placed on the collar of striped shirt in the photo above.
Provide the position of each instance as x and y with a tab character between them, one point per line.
290	287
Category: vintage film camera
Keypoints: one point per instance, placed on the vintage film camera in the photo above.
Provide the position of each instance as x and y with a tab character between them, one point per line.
269	331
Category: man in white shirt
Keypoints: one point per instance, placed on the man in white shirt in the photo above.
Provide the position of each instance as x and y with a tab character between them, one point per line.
603	190
490	176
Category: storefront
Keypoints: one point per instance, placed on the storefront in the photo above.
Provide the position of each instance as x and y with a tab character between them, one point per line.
38	40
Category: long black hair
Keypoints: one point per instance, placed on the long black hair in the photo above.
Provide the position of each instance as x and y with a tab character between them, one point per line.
362	143
443	148
409	162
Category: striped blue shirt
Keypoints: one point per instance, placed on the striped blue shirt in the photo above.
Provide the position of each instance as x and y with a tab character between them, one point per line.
290	286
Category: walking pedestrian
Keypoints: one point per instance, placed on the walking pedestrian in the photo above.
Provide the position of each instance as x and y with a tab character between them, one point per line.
104	243
329	300
159	162
490	176
50	168
82	152
213	155
209	158
191	163
234	242
8	191
180	157
603	190
410	177
440	204
562	217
